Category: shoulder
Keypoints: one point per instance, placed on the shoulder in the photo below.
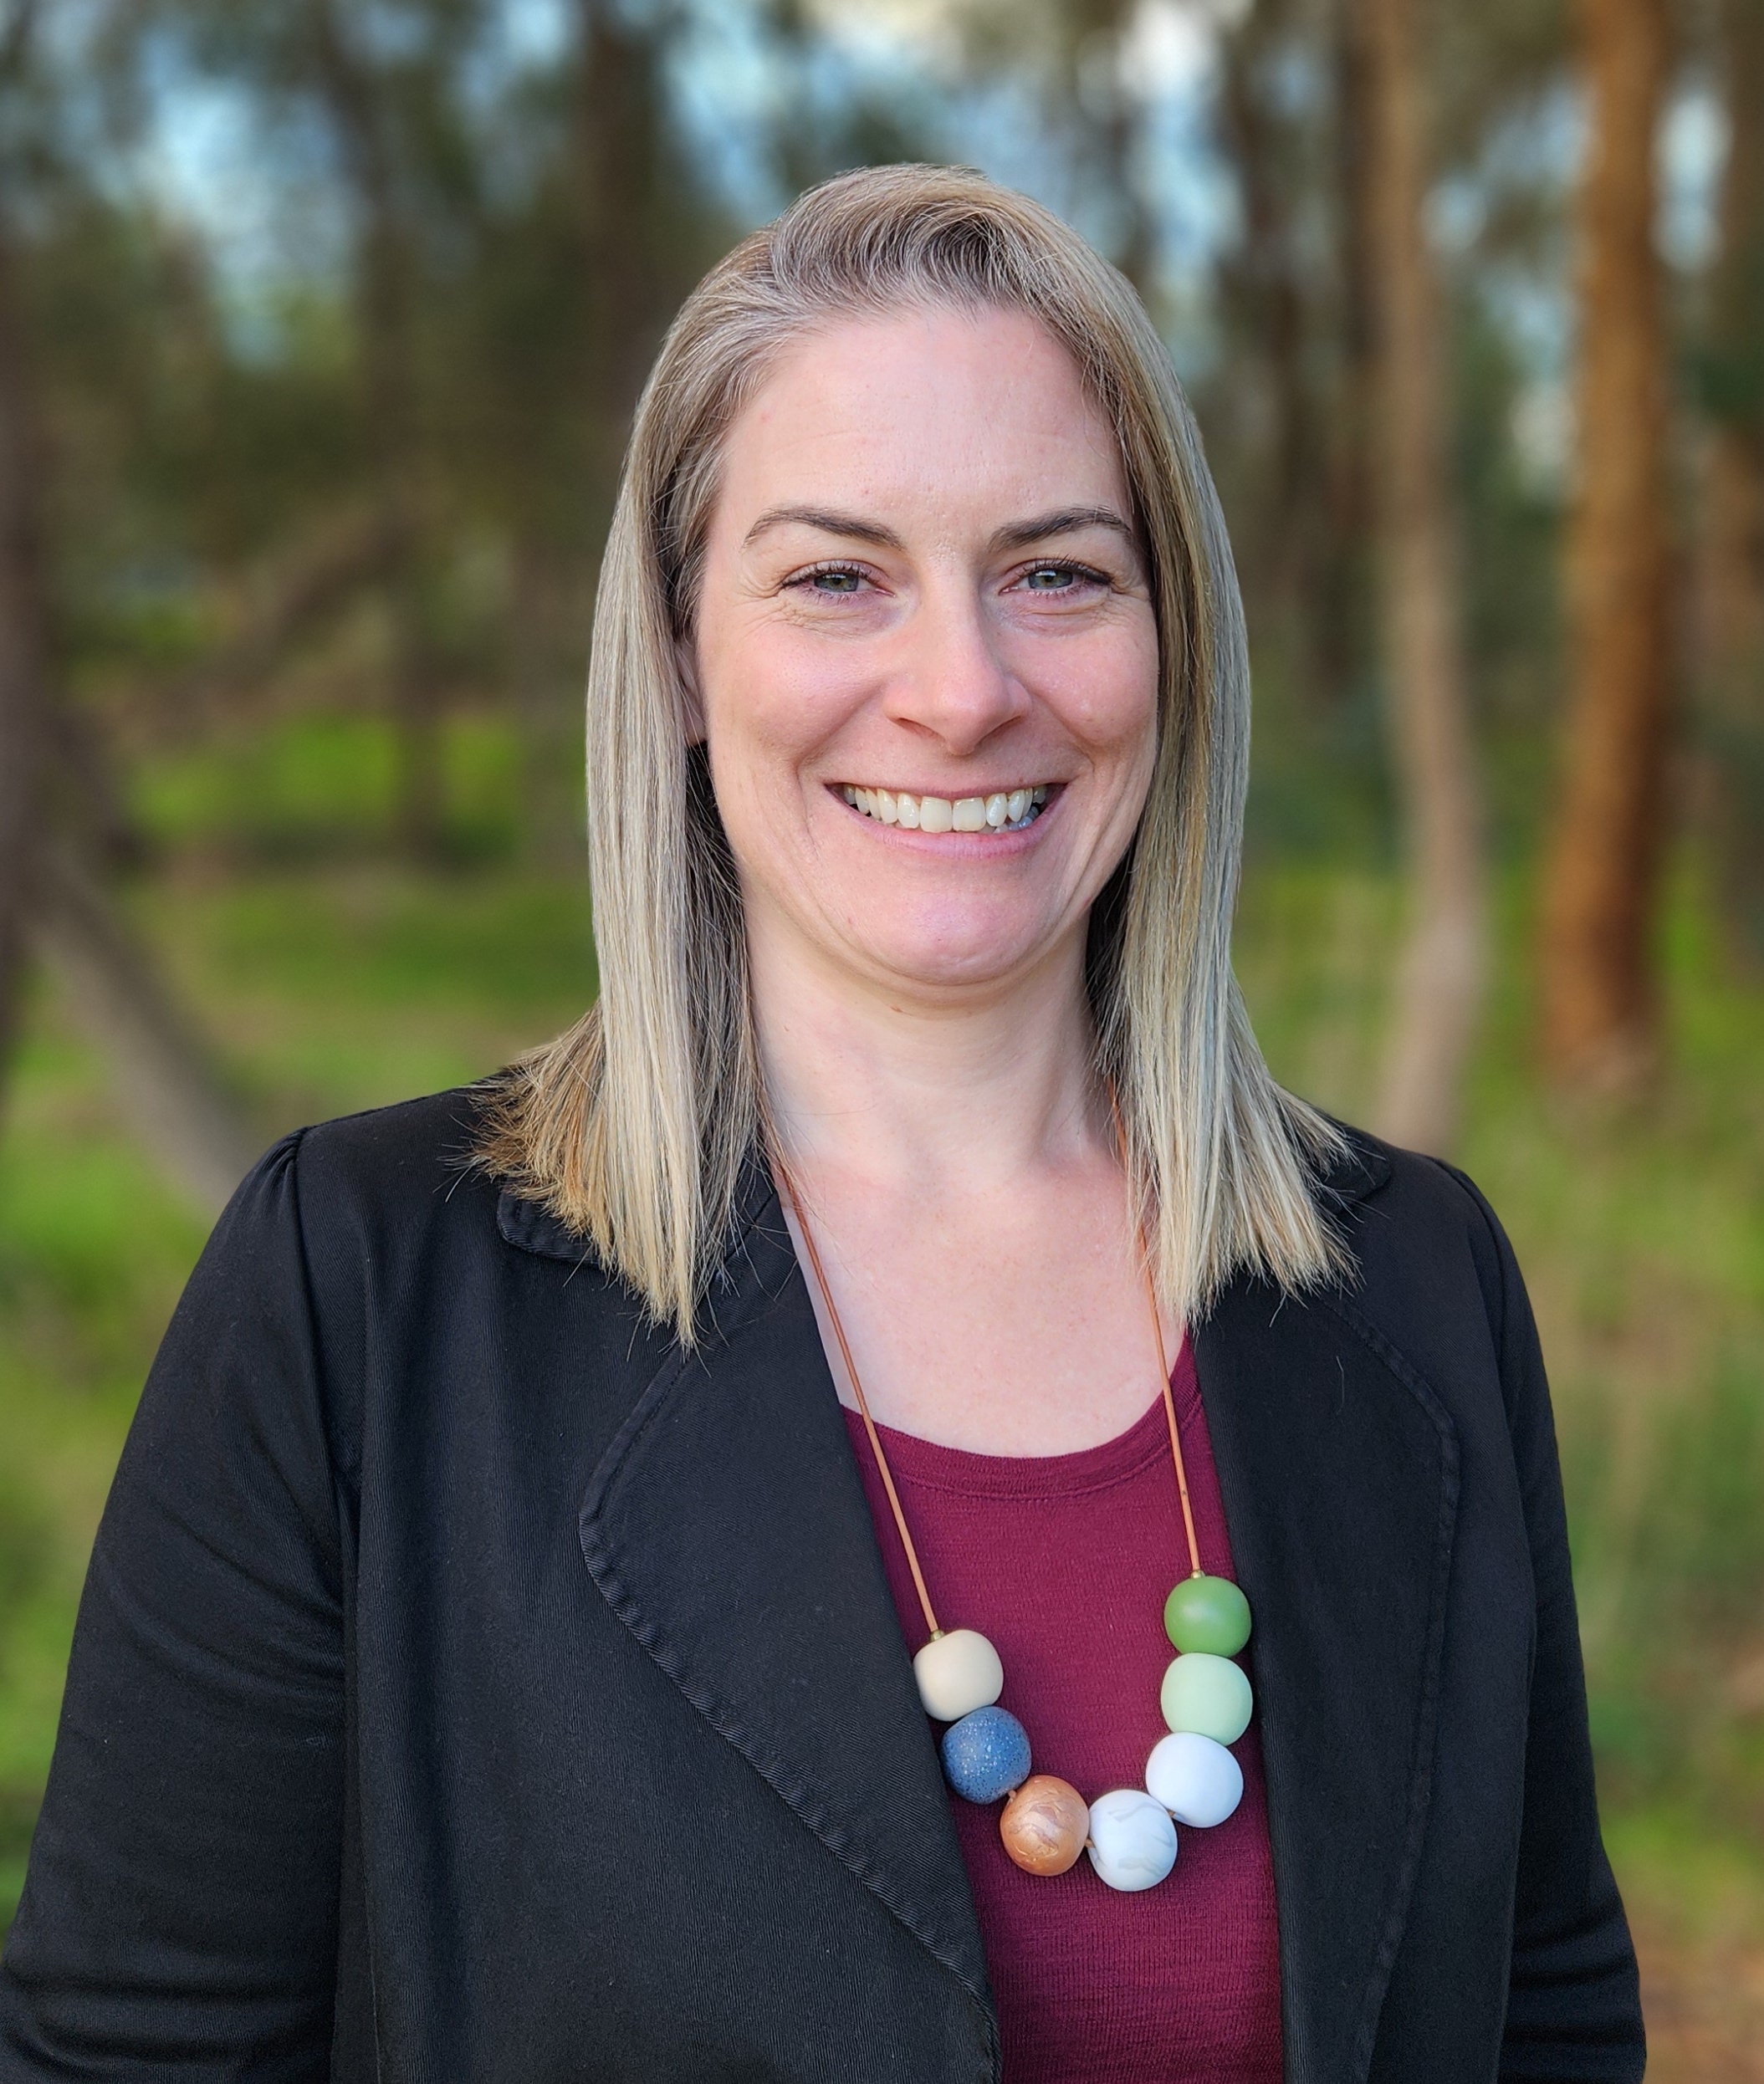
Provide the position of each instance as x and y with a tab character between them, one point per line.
1430	1253
388	1214
399	1156
1415	1201
431	1304
396	1181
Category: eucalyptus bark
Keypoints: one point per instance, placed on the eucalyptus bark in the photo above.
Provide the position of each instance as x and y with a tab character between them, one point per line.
1340	608
1733	508
1263	283
1600	1001
172	1090
24	643
1115	124
52	807
1439	975
385	299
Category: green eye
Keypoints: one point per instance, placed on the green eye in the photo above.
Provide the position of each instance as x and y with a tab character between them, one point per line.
836	582
1047	578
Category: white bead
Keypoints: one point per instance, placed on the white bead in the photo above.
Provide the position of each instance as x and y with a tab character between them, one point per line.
1132	1842
957	1672
1196	1779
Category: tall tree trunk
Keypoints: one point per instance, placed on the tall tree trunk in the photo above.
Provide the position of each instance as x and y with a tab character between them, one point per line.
23	641
1599	1000
1438	983
385	298
1340	614
1263	282
613	147
172	1092
1733	538
1114	120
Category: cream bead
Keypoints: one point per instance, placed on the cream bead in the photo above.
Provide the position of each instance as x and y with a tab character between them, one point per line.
1197	1779
957	1672
1132	1842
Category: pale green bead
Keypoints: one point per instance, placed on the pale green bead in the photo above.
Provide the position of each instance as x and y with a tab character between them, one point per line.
1207	1694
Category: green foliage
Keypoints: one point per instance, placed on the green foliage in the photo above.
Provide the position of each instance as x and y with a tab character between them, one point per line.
1642	1236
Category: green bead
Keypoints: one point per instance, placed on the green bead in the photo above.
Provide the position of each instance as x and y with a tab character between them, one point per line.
1207	1613
1206	1695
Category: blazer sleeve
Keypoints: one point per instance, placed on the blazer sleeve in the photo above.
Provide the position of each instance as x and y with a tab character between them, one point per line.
1573	2000
180	1911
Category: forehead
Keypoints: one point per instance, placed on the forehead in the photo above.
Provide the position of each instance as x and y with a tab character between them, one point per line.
921	409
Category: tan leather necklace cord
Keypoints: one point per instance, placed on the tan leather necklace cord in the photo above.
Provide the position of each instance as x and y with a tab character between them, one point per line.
787	1189
863	1404
1169	1412
1163	1359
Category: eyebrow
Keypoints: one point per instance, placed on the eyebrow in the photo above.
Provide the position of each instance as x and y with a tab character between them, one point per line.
1014	535
828	523
1018	535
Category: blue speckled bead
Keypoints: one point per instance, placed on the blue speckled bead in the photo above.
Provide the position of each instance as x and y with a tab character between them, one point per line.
986	1754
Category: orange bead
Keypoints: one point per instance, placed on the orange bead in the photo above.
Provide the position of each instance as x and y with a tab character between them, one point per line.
1045	1824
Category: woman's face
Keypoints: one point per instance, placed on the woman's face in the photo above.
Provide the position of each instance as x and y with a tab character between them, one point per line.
925	657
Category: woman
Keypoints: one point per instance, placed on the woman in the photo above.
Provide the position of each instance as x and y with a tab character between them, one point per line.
504	1657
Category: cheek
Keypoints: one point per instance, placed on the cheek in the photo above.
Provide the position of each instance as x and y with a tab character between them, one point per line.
1108	697
767	705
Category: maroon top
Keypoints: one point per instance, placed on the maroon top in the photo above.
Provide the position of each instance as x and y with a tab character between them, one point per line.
1064	1561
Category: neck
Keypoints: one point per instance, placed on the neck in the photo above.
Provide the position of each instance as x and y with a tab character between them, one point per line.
960	1091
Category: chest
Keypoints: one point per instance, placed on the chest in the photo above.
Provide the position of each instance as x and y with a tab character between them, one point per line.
993	1325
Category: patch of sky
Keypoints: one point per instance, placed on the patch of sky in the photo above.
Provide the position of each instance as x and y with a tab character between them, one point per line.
1692	154
729	87
259	192
737	84
60	111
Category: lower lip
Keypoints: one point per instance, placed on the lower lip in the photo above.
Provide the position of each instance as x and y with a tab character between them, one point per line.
957	846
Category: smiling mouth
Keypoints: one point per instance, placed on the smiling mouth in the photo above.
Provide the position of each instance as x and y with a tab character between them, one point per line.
1005	810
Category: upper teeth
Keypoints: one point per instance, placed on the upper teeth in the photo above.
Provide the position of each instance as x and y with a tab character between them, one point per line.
943	814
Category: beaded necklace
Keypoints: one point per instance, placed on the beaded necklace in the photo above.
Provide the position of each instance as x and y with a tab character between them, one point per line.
1190	1778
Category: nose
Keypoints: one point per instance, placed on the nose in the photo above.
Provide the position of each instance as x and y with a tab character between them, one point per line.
950	679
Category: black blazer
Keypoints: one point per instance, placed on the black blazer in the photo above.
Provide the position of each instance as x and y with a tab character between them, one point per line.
472	1685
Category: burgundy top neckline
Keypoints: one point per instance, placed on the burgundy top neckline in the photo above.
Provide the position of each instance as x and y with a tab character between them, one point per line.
971	1473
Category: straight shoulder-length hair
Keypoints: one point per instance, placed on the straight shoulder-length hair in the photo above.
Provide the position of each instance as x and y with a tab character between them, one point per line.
634	1126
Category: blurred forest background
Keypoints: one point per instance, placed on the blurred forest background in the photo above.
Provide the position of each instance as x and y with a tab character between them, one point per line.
320	324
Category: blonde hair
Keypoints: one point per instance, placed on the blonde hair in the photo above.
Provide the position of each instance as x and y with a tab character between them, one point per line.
633	1127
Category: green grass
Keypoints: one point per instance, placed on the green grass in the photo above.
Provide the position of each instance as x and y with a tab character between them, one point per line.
332	987
329	990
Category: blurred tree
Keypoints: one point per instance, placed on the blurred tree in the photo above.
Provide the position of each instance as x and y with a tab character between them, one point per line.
1732	385
386	77
1599	1000
366	93
1076	58
1293	292
1094	50
23	595
1438	983
50	772
521	229
577	270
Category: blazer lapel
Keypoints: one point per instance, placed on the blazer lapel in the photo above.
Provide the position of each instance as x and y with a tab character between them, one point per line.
1339	1471
727	1527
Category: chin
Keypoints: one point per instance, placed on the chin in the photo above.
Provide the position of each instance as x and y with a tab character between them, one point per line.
955	963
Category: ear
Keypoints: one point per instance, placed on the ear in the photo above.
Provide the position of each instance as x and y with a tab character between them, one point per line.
685	665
